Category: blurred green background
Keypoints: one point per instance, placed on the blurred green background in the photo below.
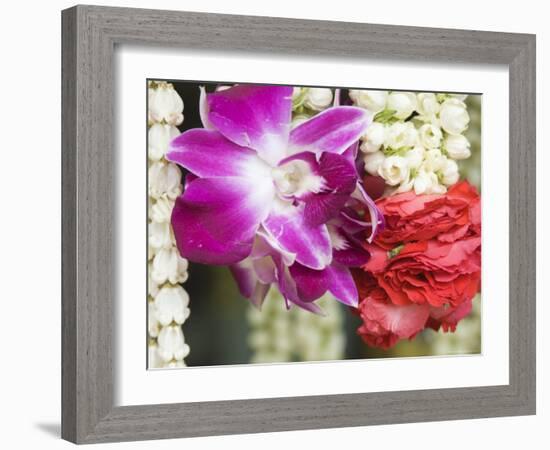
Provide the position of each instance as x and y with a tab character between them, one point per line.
225	329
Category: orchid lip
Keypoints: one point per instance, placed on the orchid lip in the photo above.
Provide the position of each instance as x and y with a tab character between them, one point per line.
295	178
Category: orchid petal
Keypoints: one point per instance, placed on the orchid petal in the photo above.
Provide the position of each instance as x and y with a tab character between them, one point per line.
340	178
342	285
203	110
376	217
311	244
244	275
310	306
339	174
265	269
288	288
248	283
254	116
208	154
311	284
259	294
337	279
266	245
352	257
332	130
215	219
335	178
351	155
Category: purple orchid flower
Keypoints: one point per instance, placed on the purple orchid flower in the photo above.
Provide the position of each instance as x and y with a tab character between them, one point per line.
301	285
260	196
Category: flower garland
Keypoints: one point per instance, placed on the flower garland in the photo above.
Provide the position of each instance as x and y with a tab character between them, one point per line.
415	139
278	335
167	299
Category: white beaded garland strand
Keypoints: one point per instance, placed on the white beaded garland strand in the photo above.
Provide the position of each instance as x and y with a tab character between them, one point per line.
168	302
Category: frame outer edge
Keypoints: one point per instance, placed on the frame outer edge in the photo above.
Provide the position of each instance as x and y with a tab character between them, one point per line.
69	307
522	284
88	202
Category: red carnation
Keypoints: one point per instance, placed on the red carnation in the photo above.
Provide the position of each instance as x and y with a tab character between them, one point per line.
443	217
425	265
383	322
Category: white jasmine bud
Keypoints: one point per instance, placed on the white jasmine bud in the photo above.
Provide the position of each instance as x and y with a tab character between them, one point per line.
453	116
152	285
168	265
296	92
375	137
318	98
170	305
405	186
165	105
159	138
415	156
457	146
430	135
449	172
175	364
153	360
374	101
401	135
171	344
427	106
164	179
298	120
160	236
426	183
394	170
373	161
403	103
433	160
153	325
161	210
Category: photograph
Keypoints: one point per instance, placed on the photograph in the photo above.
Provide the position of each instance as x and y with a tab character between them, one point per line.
303	223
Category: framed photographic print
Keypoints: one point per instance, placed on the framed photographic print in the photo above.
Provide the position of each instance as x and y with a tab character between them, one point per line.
266	230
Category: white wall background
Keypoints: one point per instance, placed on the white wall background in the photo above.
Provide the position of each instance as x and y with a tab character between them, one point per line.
31	210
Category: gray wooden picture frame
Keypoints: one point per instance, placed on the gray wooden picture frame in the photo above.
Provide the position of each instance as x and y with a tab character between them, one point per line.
90	34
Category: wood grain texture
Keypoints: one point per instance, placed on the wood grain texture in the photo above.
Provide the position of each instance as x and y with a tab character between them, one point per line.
68	226
89	198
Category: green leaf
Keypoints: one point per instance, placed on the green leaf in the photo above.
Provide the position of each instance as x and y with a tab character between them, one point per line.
395	251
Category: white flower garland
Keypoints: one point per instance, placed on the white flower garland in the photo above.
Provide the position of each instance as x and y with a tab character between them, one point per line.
278	335
414	152
167	299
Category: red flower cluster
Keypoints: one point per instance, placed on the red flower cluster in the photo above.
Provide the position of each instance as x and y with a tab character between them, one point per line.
425	266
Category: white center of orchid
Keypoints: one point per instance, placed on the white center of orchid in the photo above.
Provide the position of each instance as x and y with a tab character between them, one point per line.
337	241
295	178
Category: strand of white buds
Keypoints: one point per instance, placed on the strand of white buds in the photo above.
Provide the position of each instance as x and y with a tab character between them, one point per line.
168	302
414	140
278	335
471	166
269	335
